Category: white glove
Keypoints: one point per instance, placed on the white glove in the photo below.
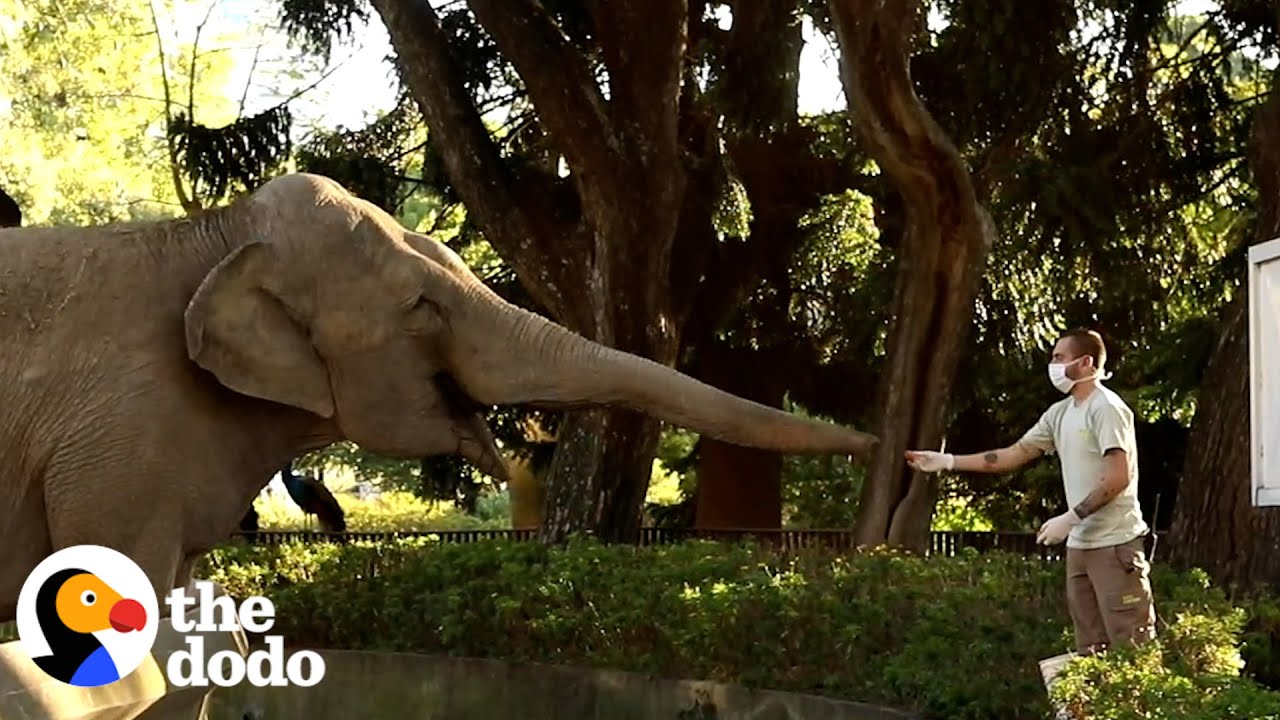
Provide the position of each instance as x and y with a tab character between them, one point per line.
929	461
1055	530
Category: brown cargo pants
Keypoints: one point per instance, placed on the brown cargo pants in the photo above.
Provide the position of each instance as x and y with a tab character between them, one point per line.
1109	596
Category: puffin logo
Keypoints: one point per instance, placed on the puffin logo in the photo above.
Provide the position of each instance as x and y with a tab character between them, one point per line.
87	615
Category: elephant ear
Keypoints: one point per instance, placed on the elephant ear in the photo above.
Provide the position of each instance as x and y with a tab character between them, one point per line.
239	330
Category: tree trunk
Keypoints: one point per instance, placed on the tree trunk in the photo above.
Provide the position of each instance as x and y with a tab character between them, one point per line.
739	487
600	476
596	249
942	255
604	458
1215	525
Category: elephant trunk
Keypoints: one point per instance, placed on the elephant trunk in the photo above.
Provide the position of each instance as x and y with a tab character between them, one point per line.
529	359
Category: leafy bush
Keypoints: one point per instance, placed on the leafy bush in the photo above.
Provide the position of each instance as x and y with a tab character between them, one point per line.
952	638
1193	673
391	510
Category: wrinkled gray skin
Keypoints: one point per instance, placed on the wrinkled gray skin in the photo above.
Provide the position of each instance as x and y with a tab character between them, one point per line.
154	376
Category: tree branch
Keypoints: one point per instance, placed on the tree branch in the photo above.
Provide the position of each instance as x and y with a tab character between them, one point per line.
772	154
944	248
189	206
643	43
559	81
472	160
248	81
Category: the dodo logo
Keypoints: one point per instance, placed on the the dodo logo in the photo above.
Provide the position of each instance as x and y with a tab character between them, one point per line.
87	615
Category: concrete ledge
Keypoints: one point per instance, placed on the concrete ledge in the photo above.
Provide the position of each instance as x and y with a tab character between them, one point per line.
432	687
27	693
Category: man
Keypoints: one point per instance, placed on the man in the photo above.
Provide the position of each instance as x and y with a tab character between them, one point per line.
1092	432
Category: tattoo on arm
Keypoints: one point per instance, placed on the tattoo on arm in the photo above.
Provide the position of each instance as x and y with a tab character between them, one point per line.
1096	499
991	457
1101	495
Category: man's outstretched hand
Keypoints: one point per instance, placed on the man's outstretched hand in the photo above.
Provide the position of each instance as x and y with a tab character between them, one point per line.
1055	530
929	461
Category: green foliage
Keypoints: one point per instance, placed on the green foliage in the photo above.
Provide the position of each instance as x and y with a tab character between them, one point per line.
82	110
956	638
316	24
373	161
1137	684
233	158
1191	675
956	511
1204	665
820	491
392	511
1261	650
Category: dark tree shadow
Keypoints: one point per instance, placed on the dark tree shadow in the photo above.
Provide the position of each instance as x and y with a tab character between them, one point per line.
10	213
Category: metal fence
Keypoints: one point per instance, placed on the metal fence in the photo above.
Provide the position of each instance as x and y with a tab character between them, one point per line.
944	543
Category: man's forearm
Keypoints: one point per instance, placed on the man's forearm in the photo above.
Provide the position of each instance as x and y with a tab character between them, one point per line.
991	461
1107	490
1115	478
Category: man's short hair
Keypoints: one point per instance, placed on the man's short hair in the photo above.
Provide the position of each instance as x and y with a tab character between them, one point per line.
1088	342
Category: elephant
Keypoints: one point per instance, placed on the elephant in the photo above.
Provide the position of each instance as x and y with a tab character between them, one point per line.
156	374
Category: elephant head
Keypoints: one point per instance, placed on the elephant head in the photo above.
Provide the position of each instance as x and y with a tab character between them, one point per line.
327	304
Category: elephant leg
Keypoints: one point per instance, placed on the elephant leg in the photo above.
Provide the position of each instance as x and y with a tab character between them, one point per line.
93	508
186	572
20	559
26	543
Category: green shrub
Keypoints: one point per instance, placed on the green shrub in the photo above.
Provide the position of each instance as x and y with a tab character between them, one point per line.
952	638
1261	649
1151	682
1194	671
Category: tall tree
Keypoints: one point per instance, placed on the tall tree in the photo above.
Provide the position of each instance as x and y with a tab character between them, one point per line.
616	103
738	333
89	90
1215	525
594	250
941	258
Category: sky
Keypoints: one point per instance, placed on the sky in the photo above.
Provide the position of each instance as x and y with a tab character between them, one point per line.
360	81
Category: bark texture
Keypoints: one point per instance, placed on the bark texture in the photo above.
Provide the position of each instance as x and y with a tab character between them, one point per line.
739	487
771	151
593	249
945	242
597	250
1215	525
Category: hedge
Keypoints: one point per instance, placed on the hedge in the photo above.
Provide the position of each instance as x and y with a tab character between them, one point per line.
955	638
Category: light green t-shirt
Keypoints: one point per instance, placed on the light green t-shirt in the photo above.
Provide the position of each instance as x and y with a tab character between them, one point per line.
1079	435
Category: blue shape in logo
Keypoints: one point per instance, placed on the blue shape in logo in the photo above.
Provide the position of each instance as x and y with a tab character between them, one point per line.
97	669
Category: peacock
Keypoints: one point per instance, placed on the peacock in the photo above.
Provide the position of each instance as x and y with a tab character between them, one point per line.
249	525
314	499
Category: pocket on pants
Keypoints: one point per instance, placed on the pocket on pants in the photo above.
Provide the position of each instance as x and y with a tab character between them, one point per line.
1130	601
1130	614
1132	559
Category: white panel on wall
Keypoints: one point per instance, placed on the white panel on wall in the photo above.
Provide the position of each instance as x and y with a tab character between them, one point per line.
1264	371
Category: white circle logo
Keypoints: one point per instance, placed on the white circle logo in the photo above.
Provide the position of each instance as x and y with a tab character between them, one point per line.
87	615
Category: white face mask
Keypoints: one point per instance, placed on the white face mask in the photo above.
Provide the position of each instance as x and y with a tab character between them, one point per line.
1058	376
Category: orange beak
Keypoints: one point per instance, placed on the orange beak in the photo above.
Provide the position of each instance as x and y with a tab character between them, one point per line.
127	615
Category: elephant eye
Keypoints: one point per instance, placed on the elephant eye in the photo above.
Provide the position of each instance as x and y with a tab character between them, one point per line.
88	597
